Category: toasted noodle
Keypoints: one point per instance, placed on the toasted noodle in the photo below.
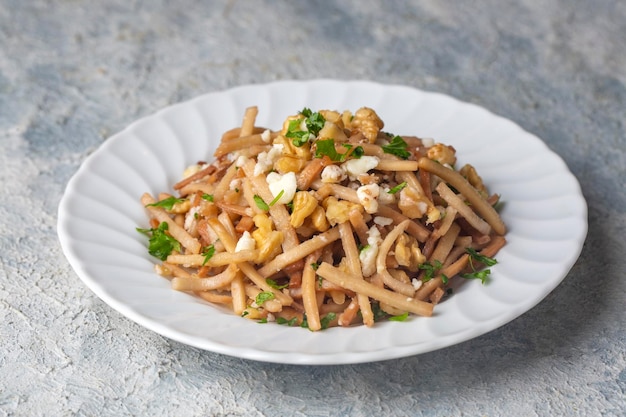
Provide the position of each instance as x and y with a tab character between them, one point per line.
342	242
455	179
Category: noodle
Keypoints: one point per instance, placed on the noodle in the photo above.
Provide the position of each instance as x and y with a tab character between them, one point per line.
329	221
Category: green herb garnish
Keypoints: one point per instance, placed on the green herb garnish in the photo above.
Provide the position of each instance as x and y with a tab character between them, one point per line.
401	317
208	197
275	285
397	147
482	275
161	244
314	122
260	203
326	147
430	270
397	188
208	253
167	203
263	297
275	200
327	319
291	322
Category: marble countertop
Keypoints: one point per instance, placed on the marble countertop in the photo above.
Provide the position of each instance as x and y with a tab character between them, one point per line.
72	73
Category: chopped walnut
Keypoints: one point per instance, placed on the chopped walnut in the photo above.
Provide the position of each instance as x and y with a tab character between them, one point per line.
408	253
268	241
303	206
443	154
367	122
338	211
469	172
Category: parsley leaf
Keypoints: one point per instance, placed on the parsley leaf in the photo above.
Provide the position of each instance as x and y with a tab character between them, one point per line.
397	188
401	317
275	285
300	137
260	203
161	244
397	147
263	297
314	122
275	200
291	322
431	270
208	253
485	260
167	203
378	312
326	147
327	319
481	275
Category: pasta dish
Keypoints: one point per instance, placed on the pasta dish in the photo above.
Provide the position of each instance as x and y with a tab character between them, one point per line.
328	221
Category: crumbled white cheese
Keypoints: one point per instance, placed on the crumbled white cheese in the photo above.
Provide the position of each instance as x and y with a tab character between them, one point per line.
265	136
382	221
368	255
333	174
385	197
246	242
428	142
285	184
240	161
235	184
417	283
356	167
265	160
368	195
191	169
190	217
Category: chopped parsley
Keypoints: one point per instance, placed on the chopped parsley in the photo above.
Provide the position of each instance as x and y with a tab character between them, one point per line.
291	322
161	244
397	147
482	275
208	253
299	137
430	270
275	200
378	312
263	297
327	319
275	285
314	122
260	203
326	147
167	203
397	188
208	197
401	317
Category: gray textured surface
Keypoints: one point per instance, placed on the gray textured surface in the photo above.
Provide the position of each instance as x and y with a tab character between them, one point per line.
74	72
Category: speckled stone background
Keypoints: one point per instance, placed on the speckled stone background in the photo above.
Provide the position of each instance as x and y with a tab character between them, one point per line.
74	72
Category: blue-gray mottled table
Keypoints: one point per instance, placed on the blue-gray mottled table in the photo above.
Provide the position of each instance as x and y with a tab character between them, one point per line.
74	72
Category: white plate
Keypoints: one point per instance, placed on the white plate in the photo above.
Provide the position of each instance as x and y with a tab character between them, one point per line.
543	208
